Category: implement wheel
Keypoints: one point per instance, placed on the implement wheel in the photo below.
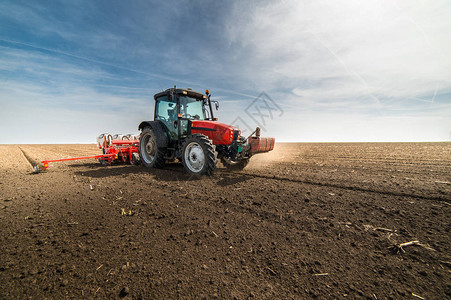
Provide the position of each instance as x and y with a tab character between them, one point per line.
199	155
150	153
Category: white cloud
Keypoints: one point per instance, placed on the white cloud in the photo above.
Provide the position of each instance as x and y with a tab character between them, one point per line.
346	48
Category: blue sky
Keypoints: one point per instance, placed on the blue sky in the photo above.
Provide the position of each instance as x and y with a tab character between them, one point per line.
337	70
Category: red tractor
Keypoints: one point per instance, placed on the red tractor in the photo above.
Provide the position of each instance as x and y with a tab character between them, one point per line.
184	128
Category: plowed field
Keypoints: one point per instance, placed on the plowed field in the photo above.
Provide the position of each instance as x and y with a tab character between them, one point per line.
304	221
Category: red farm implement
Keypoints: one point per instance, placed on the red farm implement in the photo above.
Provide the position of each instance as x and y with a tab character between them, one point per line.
114	150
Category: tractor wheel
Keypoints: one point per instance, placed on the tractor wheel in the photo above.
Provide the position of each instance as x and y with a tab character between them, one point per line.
199	155
150	154
235	165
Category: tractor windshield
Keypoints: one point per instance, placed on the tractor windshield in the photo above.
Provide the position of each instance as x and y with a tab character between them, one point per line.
191	108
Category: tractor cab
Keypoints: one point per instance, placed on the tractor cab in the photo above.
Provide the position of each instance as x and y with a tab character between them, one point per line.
177	108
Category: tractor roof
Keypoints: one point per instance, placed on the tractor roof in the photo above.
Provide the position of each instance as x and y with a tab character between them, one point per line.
188	92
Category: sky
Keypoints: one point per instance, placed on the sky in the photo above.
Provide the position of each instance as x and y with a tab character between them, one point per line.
304	71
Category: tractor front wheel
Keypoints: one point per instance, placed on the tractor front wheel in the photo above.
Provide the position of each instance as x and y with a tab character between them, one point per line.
150	153
199	155
235	165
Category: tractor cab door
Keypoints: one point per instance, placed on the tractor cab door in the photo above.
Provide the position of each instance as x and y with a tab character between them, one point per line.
166	112
190	109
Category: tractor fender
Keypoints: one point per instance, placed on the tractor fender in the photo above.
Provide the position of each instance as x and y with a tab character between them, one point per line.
159	129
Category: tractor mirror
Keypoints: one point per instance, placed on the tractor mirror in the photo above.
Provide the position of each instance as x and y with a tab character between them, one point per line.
216	105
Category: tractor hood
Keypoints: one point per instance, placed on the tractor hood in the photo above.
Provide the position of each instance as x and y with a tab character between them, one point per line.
219	133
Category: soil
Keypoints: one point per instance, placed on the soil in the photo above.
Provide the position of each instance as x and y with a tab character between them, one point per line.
303	221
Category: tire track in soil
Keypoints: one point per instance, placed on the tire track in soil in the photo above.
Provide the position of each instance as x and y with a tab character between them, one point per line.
344	187
379	170
321	184
283	220
401	162
172	168
32	162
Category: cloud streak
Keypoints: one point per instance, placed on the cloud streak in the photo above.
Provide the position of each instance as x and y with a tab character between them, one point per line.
372	43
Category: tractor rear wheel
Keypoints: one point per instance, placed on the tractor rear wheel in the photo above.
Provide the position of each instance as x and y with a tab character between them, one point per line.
199	155
235	165
150	153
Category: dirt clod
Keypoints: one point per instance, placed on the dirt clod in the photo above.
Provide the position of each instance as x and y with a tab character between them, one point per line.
124	292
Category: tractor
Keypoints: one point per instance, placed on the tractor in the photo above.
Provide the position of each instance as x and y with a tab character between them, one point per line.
184	128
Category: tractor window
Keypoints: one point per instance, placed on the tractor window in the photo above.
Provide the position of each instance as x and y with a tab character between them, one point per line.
192	108
166	110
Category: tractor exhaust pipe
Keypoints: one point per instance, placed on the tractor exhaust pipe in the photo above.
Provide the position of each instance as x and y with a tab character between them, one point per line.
256	132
